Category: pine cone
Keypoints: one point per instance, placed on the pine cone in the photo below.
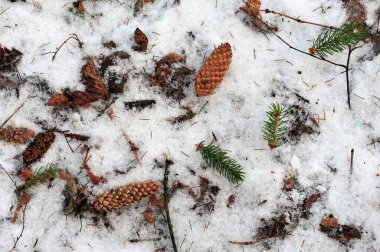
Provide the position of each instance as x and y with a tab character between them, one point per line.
16	135
38	147
124	195
213	70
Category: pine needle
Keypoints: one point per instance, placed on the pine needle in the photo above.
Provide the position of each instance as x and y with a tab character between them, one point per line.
336	40
39	176
218	160
275	128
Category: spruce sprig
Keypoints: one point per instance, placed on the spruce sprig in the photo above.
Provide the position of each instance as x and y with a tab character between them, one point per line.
336	40
218	160
275	128
39	176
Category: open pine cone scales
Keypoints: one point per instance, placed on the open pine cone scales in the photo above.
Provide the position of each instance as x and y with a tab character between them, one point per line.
124	195
213	70
16	135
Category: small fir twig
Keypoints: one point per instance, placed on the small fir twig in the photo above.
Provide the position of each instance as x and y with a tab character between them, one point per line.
333	41
359	33
218	160
168	163
39	176
17	110
275	128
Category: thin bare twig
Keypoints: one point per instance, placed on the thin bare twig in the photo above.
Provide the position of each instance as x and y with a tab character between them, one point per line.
23	227
12	115
14	182
297	19
168	163
73	36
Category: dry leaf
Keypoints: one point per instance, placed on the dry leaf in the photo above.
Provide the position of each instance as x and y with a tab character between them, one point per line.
252	8
148	215
96	180
230	200
25	198
289	184
156	202
92	80
312	199
141	40
77	136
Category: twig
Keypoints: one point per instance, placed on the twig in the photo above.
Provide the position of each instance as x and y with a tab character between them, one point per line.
4	10
297	19
73	36
168	163
203	107
144	240
346	67
14	182
12	115
23	227
251	242
352	161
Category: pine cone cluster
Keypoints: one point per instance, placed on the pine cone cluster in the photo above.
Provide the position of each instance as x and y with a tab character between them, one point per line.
16	135
125	195
213	70
38	147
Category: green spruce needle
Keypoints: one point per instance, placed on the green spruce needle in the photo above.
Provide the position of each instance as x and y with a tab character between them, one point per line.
336	40
218	160
275	128
39	176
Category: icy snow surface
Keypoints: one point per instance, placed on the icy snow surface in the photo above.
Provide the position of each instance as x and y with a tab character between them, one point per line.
263	70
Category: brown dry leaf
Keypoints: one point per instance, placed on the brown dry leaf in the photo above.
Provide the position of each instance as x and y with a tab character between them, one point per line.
230	200
329	222
289	184
79	6
16	135
72	98
172	58
148	215
333	229
8	59
141	40
25	198
156	202
77	136
252	8
183	118
312	199
38	147
92	80
96	180
356	11
274	229
75	201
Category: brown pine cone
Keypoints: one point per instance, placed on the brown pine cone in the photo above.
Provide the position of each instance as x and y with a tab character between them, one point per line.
38	147
16	135
213	70
124	195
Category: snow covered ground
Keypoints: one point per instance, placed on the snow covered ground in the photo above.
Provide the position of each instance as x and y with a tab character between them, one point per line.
263	70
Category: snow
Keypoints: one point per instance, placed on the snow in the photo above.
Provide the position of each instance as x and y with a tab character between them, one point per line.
235	113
